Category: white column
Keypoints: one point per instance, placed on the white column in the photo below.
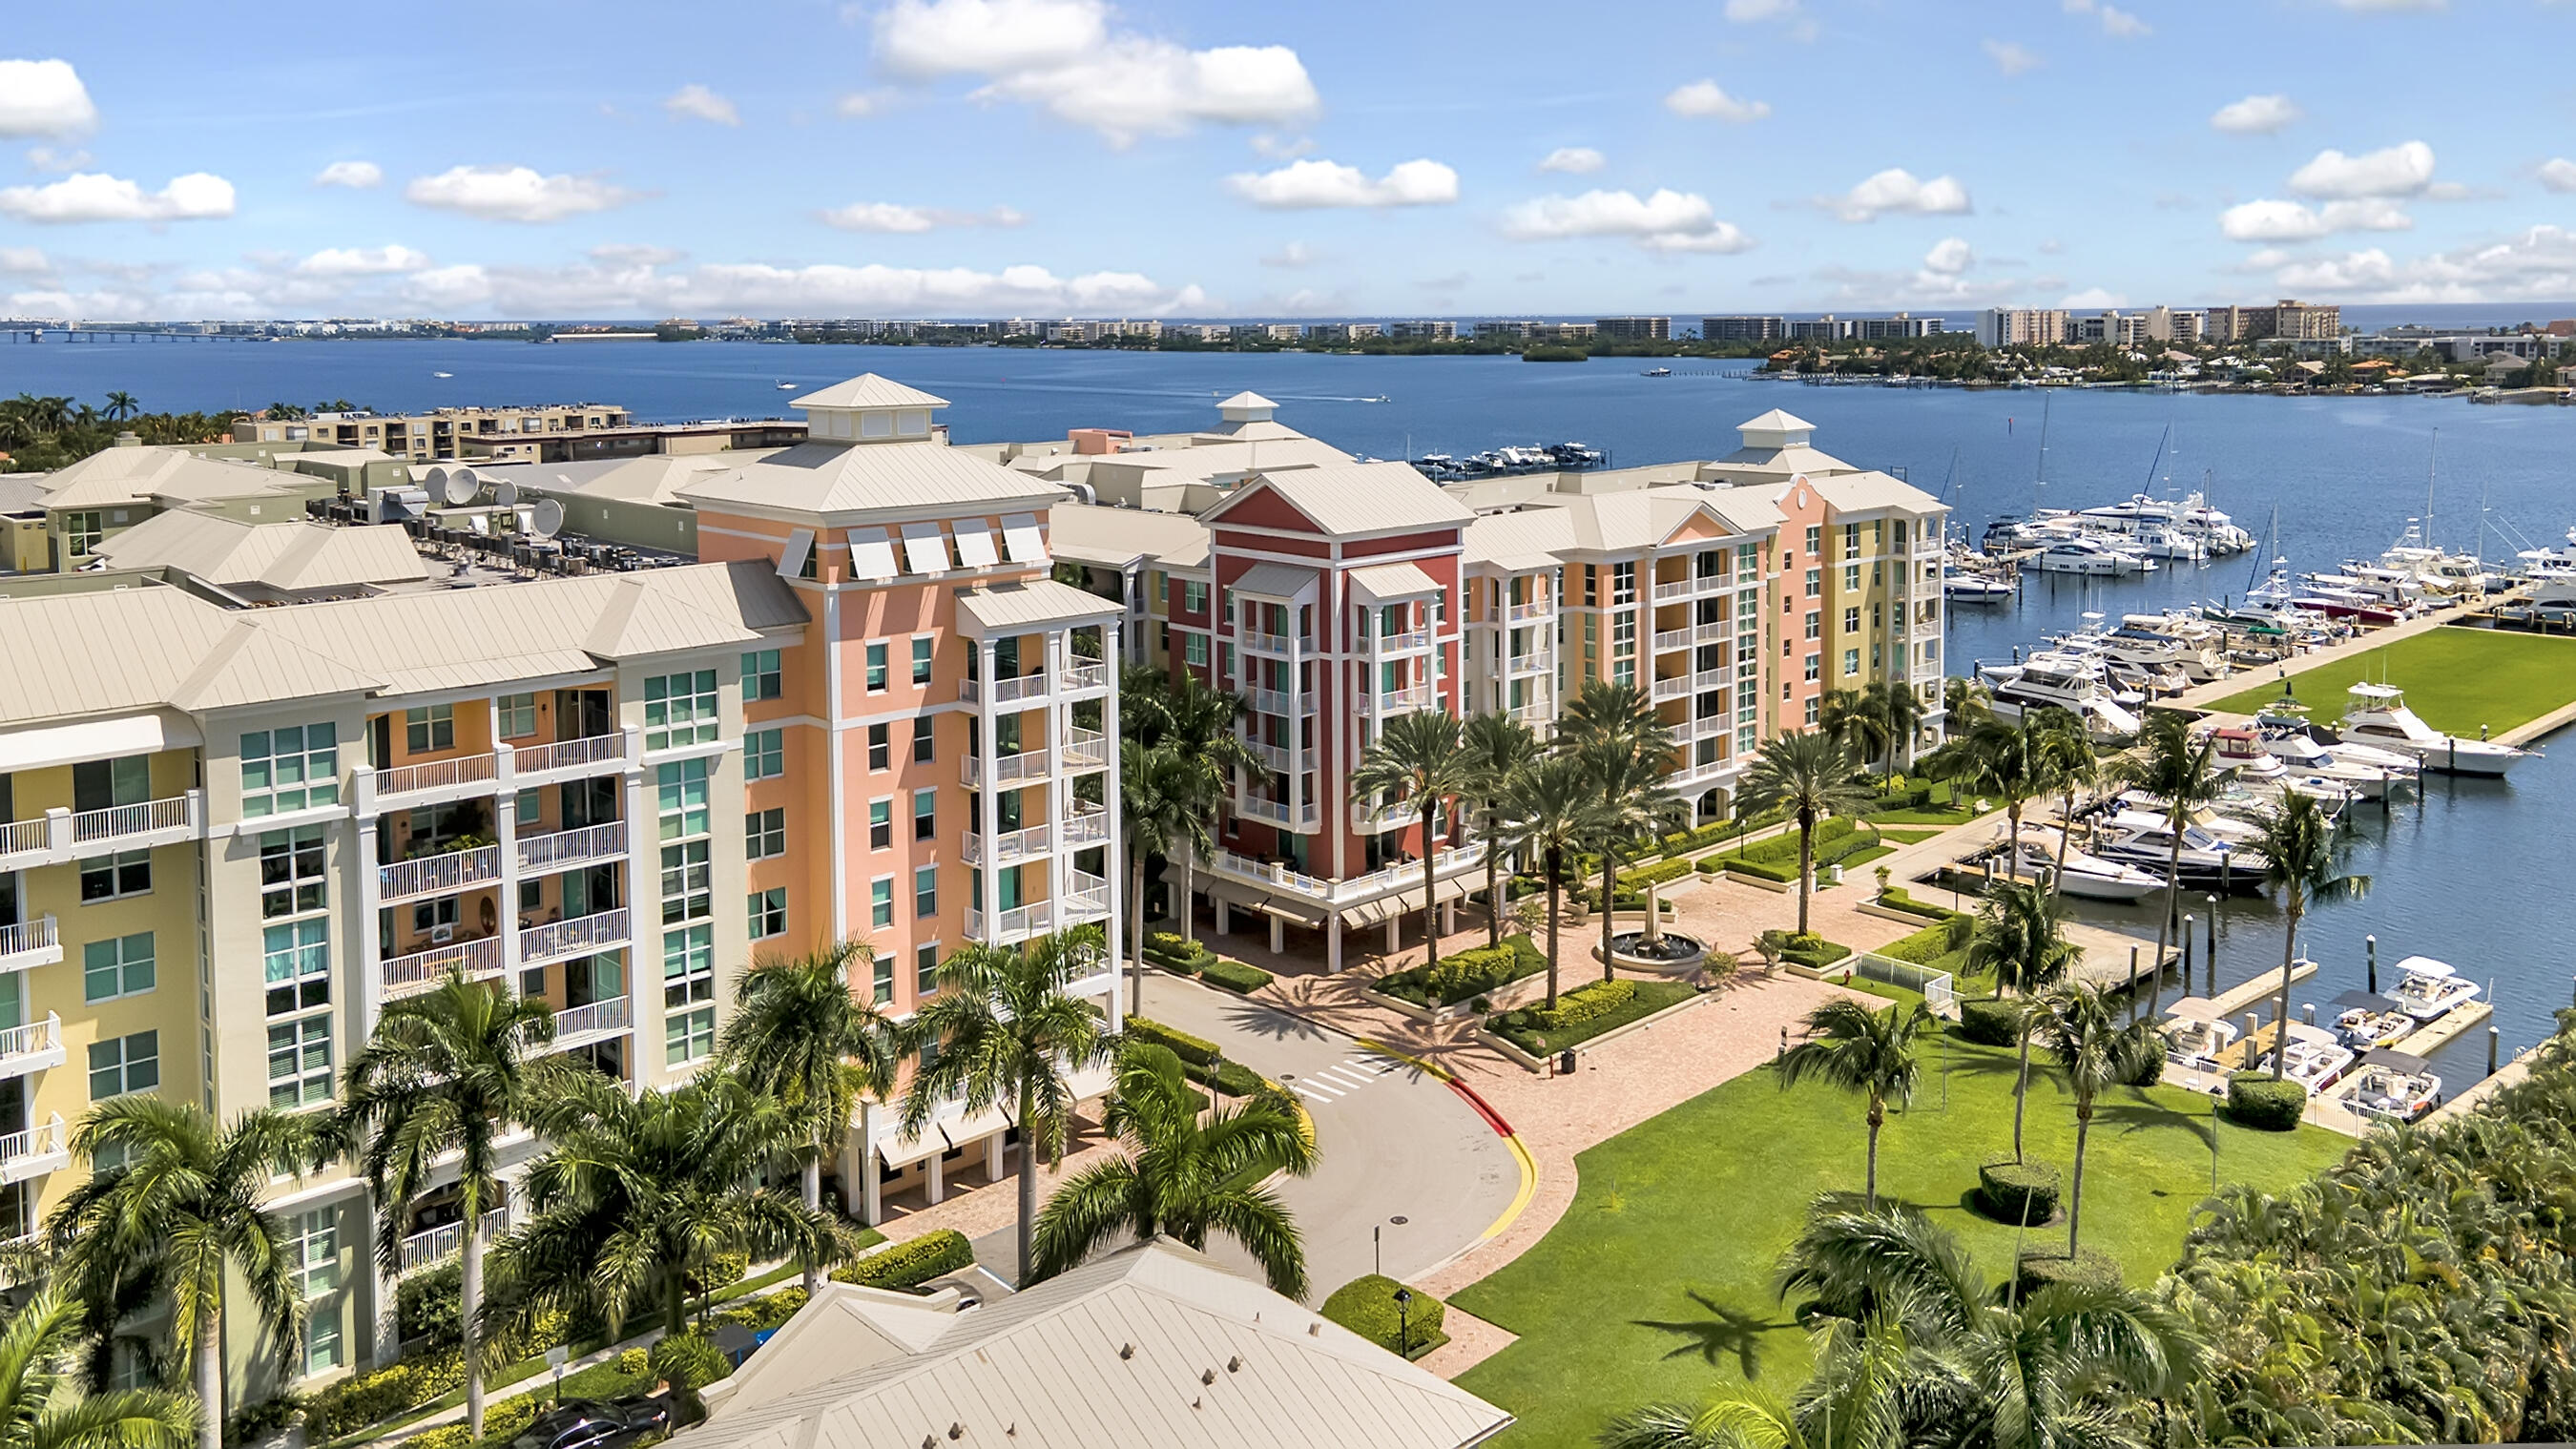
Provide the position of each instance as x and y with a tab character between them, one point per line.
1056	657
1224	916
505	829
1113	857
1278	936
371	976
644	909
383	1293
1394	933
995	1152
862	1152
1332	941
934	1182
835	766
1448	913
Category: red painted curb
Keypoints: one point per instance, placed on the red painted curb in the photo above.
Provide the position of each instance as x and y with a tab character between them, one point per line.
1492	1118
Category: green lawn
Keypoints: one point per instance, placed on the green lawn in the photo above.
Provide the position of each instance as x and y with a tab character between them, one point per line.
2457	678
1657	1282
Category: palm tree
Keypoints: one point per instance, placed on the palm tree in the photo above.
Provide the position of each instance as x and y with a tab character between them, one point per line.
801	1036
2075	764
636	1194
1156	816
1902	711
184	1208
1498	749
1003	1031
1965	701
1181	1176
2183	773
2010	758
1849	715
1629	800
2073	1022
1855	1049
1556	814
120	406
1196	723
2303	852
1603	711
1418	759
1813	776
450	1071
41	1407
2021	934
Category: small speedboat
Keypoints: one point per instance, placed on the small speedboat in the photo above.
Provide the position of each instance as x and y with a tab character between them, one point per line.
2195	1038
2366	1021
787	387
2392	1086
2310	1056
1649	372
1975	588
2429	990
442	374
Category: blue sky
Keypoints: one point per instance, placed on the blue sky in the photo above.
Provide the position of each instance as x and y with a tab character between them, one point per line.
1154	157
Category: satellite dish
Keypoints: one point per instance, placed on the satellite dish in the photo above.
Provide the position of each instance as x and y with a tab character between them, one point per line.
459	488
434	478
549	519
505	494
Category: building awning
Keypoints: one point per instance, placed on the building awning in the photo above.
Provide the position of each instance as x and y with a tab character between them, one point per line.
1387	582
139	734
967	1130
899	1153
1235	893
1283	582
1376	912
1521	563
1295	913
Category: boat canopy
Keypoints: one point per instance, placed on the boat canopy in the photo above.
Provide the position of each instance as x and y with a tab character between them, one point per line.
2425	966
2399	1062
2195	1008
2366	1000
2387	692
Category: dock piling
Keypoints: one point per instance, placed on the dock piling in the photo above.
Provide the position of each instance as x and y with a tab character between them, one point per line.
2370	949
2493	1036
2186	952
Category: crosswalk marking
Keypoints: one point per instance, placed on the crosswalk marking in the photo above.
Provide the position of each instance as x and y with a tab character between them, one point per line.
1344	1077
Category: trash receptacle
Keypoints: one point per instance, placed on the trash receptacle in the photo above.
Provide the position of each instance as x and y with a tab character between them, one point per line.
1565	1063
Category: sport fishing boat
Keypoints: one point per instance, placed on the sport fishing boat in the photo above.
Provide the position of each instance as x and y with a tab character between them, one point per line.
2092	557
2378	717
2392	1086
2310	1056
2370	774
2138	838
2429	990
2086	874
2067	682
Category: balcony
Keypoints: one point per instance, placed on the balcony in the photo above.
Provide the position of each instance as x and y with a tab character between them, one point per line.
1405	643
1083	678
580	936
567	757
1017	688
1253	642
1086	827
464	775
1411	697
567	849
1676	687
597	1022
36	1151
1085	751
1087	899
128	827
29	943
1716	633
1536	661
410	975
1008	769
1339	893
25	837
1286	703
32	1048
1011	847
438	1244
1278	757
438	875
1667	640
1535	609
1685	588
1302	818
1710	679
1536	713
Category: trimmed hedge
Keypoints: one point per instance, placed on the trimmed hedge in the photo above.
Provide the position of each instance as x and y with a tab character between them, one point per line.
2087	1270
1932	942
1582	1004
1896	898
1812	951
1366	1306
362	1399
1234	976
2005	1190
1584	1013
1632	883
502	1422
760	1313
1836	840
907	1265
2255	1100
1196	1051
1174	952
1990	1023
1466	975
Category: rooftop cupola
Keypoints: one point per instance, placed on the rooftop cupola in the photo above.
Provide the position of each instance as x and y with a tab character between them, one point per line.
1776	429
868	409
1247	407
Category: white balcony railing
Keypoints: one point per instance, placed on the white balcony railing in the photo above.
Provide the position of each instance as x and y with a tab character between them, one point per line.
1677	589
565	849
1008	769
1716	633
1005	691
1010	847
1277	812
1410	639
1666	639
580	936
30	943
1086	827
1535	609
1085	899
569	754
1260	643
1369	887
1277	757
428	875
1536	712
1286	703
121	822
40	1149
33	1047
1675	687
421	970
437	775
23	836
1084	676
438	1244
584	1024
1085	750
1411	697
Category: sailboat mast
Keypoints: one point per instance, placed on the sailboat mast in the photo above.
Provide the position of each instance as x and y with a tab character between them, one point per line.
2039	480
2432	467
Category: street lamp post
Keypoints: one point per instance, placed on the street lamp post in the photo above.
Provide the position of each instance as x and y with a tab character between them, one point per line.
1404	1323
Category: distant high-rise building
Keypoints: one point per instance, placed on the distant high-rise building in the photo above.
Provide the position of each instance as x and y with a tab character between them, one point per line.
1634	329
1424	331
2023	327
1743	329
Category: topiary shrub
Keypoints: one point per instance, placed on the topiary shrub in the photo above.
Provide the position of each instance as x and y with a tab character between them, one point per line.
909	1264
2255	1100
2087	1270
1582	1004
632	1362
1197	1051
1990	1023
1234	975
2006	1190
1366	1306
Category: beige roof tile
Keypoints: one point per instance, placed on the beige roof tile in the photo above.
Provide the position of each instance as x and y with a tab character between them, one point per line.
1035	604
1350	498
852	478
868	390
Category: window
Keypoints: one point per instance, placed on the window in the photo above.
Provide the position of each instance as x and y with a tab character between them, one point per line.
299	1062
1815	540
290	769
921	660
119	966
883	984
313	1252
760	674
1851	620
925	814
764	834
291	879
1811	709
876	668
877	750
1815	667
683	799
518	716
1815	623
881	824
82	534
106	877
528	808
1851	540
1851	578
1194	649
688	1036
124	1064
322	1341
925	891
881	902
431	729
764	754
1748	560
1851	662
769	913
1623	583
925	970
688	968
428	916
686	883
1815	583
922	735
1193	597
679	709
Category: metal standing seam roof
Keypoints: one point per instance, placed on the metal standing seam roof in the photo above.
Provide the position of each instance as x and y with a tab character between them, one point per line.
1274	580
1520	540
294	554
1037	603
113	477
857	477
1354	498
1152	1347
1861	492
1117	537
1394	581
868	390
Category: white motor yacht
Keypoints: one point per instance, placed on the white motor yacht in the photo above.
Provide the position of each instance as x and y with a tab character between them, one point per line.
2378	716
1967	587
2241	753
2144	840
2087	875
2165	541
2367	773
2090	556
2069	682
2310	1056
2552	573
2392	1086
2429	990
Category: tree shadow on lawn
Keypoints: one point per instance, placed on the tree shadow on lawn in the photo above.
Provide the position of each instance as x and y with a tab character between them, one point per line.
2145	1114
1722	1333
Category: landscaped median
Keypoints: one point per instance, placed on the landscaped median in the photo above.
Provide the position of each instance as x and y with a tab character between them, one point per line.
1463	978
1184	957
1774	861
1582	1018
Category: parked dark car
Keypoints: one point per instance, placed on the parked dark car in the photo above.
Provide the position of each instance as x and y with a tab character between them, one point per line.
590	1424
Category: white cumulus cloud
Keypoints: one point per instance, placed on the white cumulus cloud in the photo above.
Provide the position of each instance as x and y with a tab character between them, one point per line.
2093	299
694	102
2117	23
96	196
357	175
43	98
380	261
1748	12
2558	174
1949	256
1063	56
1312	183
2010	58
1666	221
1898	190
26	260
2256	115
888	216
2401	170
514	193
1573	160
1706	98
2273	220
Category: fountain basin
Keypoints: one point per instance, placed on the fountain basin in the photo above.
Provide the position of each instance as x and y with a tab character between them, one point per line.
1668	953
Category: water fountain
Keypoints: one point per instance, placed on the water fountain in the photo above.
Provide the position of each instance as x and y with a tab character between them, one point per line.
1670	953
